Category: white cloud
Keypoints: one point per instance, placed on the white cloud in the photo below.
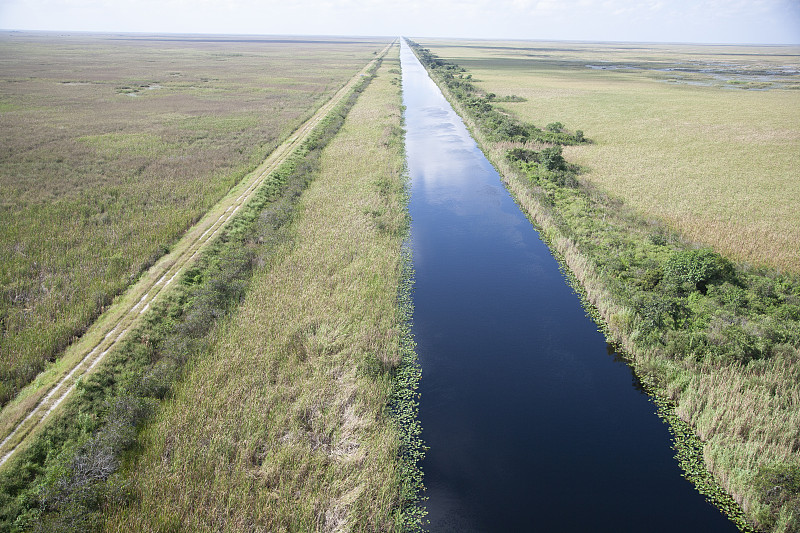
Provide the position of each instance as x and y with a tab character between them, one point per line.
664	20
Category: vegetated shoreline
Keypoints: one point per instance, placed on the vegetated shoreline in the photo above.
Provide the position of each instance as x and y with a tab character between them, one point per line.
715	345
72	472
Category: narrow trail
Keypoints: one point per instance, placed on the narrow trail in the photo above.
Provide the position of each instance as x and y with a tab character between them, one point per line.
21	417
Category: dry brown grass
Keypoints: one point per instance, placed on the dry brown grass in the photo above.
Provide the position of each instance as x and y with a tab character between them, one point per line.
727	406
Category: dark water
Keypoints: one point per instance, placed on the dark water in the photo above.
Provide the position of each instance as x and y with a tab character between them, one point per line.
532	423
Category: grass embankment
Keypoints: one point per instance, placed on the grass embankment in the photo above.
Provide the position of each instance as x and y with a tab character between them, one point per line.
112	146
300	403
718	343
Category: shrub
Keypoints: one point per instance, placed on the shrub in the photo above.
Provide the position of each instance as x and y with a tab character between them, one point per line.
522	154
733	298
551	158
780	486
739	345
658	238
657	313
697	268
650	278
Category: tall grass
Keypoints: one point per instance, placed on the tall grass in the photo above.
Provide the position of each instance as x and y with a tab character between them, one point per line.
112	146
68	473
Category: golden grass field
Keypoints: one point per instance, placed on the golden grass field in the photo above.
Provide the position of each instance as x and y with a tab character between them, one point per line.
715	161
112	146
284	425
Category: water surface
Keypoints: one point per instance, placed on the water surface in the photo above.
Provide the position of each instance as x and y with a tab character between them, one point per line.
533	424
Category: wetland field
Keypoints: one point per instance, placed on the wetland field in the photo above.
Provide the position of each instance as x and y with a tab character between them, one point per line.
274	385
112	146
283	348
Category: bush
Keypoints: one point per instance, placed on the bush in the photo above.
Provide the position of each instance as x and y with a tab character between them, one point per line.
522	154
657	313
551	158
780	486
697	268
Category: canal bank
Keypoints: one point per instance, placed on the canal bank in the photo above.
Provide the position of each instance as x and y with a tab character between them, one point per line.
531	419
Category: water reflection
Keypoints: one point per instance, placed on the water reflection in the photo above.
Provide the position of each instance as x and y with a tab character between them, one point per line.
531	426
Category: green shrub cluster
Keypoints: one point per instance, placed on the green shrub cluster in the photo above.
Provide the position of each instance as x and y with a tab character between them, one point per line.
545	164
62	481
781	486
686	304
690	303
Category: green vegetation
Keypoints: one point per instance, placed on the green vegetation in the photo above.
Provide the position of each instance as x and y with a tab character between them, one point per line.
96	185
284	352
718	343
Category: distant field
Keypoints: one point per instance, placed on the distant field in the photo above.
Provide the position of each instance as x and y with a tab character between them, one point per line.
111	146
706	138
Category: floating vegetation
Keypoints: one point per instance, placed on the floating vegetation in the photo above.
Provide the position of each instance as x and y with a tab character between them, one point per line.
689	454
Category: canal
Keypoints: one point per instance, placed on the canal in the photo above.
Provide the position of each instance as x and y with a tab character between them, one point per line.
532	422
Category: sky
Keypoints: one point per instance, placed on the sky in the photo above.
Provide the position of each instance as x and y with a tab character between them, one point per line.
695	21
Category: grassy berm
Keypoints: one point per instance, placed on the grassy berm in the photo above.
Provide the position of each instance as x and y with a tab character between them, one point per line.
716	342
284	425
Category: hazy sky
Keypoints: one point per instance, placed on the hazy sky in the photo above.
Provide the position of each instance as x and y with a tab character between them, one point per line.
716	21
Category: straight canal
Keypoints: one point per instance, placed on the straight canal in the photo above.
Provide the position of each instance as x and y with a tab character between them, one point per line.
533	423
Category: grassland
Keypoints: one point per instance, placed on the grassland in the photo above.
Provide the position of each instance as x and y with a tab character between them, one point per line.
704	138
30	409
717	343
112	146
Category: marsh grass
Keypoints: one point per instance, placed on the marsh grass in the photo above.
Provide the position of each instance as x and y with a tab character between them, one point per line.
96	185
68	475
283	425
